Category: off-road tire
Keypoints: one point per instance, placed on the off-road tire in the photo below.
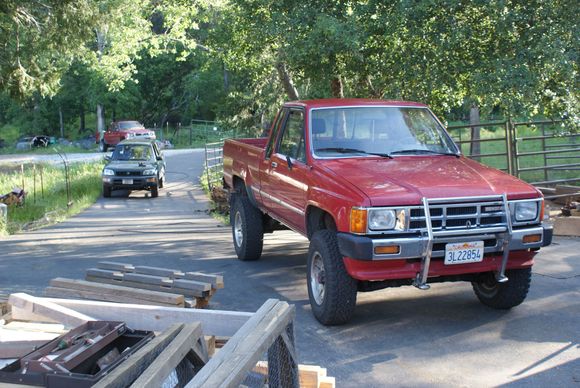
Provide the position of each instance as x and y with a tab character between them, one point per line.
503	296
154	192
103	146
247	228
340	290
107	192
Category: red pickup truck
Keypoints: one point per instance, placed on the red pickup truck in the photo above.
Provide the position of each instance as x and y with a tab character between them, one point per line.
122	130
386	199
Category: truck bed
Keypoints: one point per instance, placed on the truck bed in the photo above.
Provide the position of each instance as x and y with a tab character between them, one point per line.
241	158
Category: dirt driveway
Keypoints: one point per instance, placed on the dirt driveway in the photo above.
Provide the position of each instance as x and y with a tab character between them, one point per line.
402	337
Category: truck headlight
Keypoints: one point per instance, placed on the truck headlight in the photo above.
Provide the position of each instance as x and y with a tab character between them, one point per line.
150	171
129	135
525	211
387	219
108	171
381	219
152	134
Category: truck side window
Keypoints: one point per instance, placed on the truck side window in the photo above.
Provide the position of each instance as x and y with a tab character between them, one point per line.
292	140
275	130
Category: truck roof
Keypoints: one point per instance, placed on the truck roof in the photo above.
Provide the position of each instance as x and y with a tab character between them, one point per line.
341	102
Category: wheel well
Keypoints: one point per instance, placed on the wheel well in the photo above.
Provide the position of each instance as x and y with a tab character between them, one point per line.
239	186
318	219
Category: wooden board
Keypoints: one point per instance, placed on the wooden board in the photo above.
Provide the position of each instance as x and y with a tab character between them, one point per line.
229	366
216	281
154	318
567	226
130	369
56	292
48	309
145	286
170	357
109	289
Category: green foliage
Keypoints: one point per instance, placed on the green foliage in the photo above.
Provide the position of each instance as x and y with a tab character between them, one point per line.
235	62
46	200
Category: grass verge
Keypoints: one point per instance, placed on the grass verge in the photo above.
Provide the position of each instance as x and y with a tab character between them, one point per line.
47	201
219	207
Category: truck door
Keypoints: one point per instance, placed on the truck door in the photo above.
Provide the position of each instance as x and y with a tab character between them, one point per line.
289	171
266	186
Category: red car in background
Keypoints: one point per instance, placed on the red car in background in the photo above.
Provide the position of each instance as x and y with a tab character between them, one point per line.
122	130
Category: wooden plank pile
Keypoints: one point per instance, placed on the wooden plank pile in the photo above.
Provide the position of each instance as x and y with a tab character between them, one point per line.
309	376
125	283
179	354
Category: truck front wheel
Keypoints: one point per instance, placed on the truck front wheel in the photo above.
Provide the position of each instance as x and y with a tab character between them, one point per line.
331	290
247	229
506	295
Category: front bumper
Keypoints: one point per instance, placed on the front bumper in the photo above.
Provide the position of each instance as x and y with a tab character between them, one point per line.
137	182
412	247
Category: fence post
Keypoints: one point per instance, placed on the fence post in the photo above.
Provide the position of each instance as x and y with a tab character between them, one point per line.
544	149
509	145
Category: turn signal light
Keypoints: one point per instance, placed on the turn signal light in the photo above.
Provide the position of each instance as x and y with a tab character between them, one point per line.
358	220
388	250
532	238
541	211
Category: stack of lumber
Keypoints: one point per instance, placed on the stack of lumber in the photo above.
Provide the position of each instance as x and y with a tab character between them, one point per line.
309	376
125	283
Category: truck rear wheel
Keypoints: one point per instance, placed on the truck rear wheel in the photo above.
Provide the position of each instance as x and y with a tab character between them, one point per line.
331	290
247	229
503	296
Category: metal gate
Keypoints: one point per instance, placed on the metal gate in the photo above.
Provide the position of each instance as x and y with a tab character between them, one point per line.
541	152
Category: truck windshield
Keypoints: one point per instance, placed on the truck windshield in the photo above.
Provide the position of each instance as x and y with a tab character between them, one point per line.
130	124
382	131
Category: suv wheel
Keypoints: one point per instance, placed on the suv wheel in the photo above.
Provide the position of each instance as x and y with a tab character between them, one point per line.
103	146
331	290
247	229
503	296
107	191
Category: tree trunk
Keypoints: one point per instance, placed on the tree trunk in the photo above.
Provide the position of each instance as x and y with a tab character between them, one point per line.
475	146
226	79
100	118
101	42
336	87
61	122
286	80
82	125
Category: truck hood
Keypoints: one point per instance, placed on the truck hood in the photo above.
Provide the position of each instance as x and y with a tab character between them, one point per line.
405	180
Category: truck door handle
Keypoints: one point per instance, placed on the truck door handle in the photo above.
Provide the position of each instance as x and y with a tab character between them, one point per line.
274	164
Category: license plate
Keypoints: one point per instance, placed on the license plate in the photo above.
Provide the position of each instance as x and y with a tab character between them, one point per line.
127	181
466	252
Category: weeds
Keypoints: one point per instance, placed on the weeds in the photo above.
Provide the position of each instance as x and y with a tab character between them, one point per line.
47	200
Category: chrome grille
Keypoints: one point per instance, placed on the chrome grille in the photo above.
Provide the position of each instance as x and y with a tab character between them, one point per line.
453	216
